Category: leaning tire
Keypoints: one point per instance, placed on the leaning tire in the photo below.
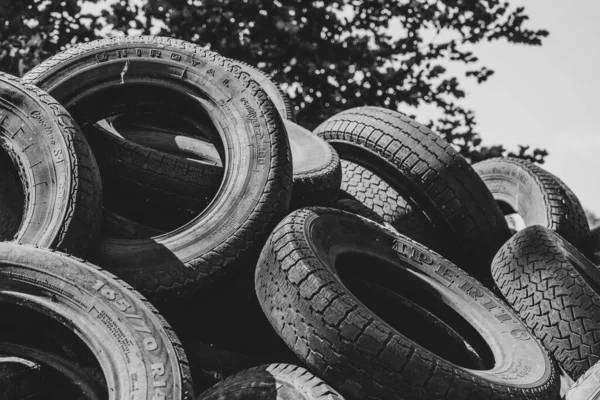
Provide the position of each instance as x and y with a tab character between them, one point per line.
375	194
539	197
139	353
554	289
59	175
272	382
132	172
428	172
256	187
300	284
317	169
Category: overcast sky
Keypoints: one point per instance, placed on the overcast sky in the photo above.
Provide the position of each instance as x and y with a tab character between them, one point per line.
548	96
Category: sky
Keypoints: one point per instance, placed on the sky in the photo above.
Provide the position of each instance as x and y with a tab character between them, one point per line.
547	96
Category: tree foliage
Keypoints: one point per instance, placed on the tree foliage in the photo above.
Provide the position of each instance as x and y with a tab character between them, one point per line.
329	55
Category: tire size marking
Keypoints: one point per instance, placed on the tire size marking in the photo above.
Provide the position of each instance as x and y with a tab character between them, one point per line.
150	343
449	277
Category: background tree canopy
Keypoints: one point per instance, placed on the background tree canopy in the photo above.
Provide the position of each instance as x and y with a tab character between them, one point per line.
329	55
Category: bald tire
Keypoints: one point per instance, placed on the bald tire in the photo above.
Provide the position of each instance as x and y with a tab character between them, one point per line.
539	197
364	190
542	276
139	353
428	173
59	175
257	181
361	355
272	382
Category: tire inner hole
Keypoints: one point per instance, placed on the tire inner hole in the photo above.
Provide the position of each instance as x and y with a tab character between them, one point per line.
514	220
12	197
414	309
42	341
172	113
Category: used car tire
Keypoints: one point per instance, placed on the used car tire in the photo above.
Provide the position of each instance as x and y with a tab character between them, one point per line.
316	165
300	285
58	172
139	353
256	188
375	194
554	289
12	198
427	172
539	197
272	382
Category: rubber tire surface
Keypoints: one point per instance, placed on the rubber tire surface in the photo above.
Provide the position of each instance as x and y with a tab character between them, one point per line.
117	226
587	387
131	172
427	172
359	354
133	343
256	188
376	195
317	169
538	196
556	292
59	174
278	96
272	382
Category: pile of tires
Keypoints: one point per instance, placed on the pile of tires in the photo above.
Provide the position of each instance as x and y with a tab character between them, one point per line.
169	232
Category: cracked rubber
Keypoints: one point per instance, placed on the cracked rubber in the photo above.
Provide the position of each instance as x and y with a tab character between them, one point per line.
256	188
429	173
298	284
366	194
317	169
539	197
555	290
139	353
272	382
58	173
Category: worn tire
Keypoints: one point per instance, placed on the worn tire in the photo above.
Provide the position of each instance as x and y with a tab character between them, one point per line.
272	382
132	342
131	172
429	173
539	197
555	290
363	357
317	169
256	188
375	194
59	175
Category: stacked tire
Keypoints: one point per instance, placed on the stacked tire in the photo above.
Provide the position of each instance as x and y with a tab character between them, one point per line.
158	201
